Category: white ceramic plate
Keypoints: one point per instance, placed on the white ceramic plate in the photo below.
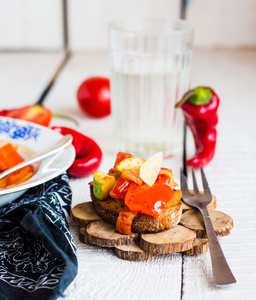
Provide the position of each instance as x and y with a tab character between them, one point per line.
33	139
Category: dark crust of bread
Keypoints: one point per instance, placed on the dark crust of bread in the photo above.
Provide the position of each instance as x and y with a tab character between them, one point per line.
109	210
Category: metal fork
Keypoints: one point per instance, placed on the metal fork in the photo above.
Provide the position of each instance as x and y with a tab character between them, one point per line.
222	275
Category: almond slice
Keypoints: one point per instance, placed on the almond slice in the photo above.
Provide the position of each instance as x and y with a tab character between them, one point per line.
150	168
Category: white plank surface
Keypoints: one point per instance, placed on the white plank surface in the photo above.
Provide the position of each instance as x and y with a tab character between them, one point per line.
88	19
231	176
100	274
30	24
218	23
35	25
223	24
24	76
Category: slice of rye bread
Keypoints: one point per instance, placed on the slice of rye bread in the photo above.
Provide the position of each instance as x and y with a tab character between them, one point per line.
109	210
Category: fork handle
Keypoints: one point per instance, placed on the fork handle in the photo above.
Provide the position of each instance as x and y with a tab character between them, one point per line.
222	274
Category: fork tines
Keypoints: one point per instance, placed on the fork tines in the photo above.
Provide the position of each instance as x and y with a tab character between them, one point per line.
184	184
207	190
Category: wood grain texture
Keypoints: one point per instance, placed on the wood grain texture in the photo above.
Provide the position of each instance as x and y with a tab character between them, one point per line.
31	26
222	223
225	33
83	235
176	239
145	280
24	76
231	175
141	278
200	246
83	214
103	234
132	252
89	19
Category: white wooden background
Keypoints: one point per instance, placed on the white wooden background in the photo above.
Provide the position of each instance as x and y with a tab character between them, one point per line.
38	25
27	26
231	175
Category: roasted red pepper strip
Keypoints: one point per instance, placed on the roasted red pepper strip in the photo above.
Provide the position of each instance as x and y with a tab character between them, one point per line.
32	113
121	187
199	108
124	221
88	153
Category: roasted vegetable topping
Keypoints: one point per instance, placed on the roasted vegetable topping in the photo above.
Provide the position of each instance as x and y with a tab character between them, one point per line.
124	221
149	200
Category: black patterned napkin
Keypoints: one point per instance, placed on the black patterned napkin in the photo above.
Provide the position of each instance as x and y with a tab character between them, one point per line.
37	255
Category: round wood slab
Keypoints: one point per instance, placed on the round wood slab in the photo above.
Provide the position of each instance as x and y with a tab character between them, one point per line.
95	231
176	239
222	223
83	214
200	246
103	234
83	236
132	252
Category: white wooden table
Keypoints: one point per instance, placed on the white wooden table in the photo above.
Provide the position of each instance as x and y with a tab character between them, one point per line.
231	175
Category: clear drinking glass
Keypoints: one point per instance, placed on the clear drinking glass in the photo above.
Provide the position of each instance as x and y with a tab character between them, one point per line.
150	72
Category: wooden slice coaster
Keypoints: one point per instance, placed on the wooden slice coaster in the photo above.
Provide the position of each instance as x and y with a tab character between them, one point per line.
83	236
201	246
83	214
132	252
193	220
212	205
103	234
173	240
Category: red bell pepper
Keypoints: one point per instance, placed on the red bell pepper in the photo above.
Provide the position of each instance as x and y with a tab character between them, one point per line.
88	153
199	107
119	157
32	113
149	200
121	188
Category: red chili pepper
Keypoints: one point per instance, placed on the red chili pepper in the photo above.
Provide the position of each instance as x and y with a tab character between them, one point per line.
32	113
88	153
199	108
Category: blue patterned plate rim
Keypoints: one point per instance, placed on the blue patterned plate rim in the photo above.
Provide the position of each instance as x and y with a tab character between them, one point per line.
36	139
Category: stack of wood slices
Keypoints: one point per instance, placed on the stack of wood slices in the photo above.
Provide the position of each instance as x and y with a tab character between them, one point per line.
137	210
97	219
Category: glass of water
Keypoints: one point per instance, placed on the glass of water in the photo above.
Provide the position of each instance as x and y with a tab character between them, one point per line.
150	72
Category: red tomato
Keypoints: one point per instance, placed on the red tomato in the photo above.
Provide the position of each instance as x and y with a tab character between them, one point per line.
93	96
